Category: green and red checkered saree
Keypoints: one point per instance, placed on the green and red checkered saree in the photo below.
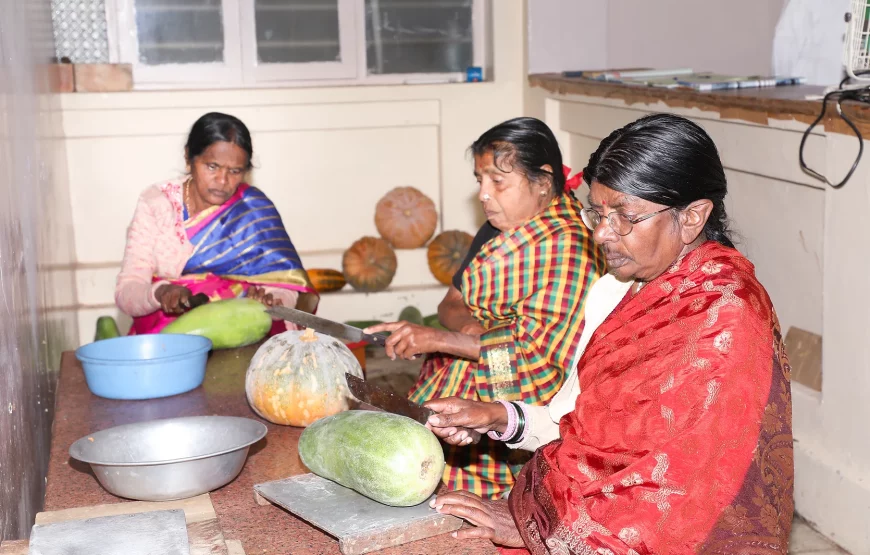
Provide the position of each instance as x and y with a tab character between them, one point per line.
527	288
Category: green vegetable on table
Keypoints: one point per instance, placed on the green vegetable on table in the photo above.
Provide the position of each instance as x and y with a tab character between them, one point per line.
386	457
230	323
107	328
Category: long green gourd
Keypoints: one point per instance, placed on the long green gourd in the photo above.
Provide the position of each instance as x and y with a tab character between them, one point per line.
386	457
229	323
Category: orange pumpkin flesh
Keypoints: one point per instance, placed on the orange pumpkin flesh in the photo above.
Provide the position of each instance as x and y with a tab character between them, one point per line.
297	378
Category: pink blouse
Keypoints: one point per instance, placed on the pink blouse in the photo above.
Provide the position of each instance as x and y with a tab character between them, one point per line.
157	245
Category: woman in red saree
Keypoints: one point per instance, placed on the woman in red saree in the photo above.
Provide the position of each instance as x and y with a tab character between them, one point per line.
680	440
208	232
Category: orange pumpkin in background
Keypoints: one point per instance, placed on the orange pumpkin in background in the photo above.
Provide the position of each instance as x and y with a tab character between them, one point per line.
326	281
369	264
406	218
297	377
445	254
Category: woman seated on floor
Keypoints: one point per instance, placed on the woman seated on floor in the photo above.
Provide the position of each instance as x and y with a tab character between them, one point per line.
208	232
676	434
515	311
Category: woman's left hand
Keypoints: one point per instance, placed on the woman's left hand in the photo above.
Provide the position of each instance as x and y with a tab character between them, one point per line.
409	340
259	294
492	518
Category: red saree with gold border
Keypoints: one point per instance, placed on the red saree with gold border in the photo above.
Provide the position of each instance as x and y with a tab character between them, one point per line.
680	441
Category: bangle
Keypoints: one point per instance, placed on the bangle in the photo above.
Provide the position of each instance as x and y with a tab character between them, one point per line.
521	424
511	426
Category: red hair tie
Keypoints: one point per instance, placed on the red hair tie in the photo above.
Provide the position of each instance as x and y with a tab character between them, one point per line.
573	182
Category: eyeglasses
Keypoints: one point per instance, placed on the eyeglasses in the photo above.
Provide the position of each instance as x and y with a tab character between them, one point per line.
619	223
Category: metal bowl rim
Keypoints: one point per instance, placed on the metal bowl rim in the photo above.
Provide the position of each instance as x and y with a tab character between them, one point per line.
260	435
207	346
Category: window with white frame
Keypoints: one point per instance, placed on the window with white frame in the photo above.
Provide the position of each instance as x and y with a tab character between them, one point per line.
233	43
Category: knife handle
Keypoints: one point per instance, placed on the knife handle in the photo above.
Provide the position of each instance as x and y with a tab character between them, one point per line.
375	339
198	300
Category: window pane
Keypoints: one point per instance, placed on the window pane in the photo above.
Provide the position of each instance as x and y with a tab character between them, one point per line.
419	36
179	31
297	31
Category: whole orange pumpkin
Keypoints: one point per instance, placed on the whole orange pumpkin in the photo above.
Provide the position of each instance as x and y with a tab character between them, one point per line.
369	264
445	254
297	377
406	218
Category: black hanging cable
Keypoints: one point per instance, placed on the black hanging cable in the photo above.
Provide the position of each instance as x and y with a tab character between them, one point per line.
857	95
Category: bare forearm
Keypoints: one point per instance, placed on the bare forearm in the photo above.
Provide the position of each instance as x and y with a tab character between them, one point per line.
455	316
461	345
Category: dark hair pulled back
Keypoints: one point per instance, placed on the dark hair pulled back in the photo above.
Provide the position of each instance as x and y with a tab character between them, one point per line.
668	160
215	127
524	145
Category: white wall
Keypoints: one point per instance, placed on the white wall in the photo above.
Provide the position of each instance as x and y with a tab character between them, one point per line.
733	37
324	155
730	37
567	34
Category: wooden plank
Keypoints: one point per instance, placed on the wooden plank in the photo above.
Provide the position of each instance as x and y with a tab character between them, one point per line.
206	538
196	509
14	547
103	77
805	357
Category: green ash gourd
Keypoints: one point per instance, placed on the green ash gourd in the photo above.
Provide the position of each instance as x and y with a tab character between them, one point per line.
386	457
229	323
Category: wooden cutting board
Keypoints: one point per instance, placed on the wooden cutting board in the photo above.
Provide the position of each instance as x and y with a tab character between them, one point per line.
360	524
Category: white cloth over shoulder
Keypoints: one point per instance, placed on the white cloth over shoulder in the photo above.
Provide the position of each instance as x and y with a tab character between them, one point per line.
542	425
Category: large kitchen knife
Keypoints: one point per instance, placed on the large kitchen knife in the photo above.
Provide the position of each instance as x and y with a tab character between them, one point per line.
386	400
328	327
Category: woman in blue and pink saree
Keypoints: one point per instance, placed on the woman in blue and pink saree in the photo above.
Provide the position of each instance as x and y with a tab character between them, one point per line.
209	233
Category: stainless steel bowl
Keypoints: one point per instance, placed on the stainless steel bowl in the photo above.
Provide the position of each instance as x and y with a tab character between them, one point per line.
172	458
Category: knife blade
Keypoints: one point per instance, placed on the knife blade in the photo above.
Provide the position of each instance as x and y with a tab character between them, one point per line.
328	327
386	400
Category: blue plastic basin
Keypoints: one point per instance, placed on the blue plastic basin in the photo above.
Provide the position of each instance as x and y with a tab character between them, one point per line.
144	366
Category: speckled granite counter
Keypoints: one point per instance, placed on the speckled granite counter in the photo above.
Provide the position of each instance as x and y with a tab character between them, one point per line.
261	529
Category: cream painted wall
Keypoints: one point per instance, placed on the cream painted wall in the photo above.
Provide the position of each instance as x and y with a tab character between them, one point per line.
806	242
730	37
567	34
324	155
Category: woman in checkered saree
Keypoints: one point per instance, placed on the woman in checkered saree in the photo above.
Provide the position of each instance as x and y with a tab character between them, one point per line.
514	314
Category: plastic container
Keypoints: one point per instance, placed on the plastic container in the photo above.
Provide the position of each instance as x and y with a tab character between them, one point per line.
144	366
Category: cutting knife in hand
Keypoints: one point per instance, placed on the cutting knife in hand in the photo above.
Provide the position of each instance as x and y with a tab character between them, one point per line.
386	400
328	327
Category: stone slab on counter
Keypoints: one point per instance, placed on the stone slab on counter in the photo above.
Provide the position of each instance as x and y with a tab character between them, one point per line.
261	529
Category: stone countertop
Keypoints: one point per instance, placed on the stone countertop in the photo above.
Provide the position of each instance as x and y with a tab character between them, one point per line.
261	529
756	105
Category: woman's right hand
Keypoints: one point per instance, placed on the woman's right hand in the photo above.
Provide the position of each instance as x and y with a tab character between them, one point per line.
462	421
173	299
